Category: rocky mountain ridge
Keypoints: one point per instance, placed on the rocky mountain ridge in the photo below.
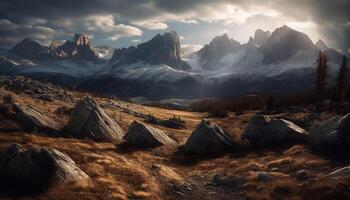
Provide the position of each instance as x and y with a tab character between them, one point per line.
161	49
156	70
79	48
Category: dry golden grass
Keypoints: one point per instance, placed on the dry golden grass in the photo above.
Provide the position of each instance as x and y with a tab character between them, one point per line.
120	173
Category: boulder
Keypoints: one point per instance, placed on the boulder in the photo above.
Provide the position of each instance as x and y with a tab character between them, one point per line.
208	138
32	119
263	176
231	181
88	120
36	169
142	135
302	175
263	130
332	134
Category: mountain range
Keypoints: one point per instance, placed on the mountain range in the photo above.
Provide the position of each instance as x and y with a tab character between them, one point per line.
281	61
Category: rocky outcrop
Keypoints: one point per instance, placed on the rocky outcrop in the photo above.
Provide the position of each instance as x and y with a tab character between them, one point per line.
321	45
208	138
264	131
32	119
216	49
54	52
88	120
144	136
37	89
261	37
331	135
283	43
79	48
161	49
36	169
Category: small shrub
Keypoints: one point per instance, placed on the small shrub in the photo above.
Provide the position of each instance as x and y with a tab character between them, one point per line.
8	98
63	110
218	111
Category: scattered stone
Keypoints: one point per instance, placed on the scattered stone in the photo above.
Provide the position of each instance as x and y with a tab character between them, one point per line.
302	175
142	135
263	131
340	173
297	109
281	163
332	134
40	90
35	170
263	176
208	138
46	97
88	120
275	169
229	181
32	119
260	188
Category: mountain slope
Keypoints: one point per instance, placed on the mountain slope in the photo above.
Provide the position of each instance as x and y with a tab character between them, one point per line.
155	69
283	43
161	49
218	47
321	45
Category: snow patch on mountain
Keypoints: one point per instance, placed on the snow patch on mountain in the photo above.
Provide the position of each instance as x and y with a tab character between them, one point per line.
145	72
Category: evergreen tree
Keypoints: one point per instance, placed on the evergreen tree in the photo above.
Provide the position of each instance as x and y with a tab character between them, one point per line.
270	105
321	75
342	79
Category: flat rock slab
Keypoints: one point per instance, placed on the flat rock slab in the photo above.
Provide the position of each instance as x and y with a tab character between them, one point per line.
144	136
31	119
332	134
208	138
264	131
88	120
340	173
36	169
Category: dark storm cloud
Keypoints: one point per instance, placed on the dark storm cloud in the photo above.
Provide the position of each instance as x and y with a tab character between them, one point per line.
57	9
331	16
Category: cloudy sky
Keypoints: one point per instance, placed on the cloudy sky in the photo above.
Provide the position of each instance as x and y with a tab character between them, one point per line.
125	22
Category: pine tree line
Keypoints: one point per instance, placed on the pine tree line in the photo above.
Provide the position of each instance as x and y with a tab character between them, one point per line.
323	87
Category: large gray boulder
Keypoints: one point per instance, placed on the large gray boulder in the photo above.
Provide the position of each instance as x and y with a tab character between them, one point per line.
208	138
332	134
142	135
88	120
31	119
263	130
36	169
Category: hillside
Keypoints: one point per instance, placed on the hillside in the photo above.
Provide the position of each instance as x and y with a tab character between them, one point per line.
118	171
